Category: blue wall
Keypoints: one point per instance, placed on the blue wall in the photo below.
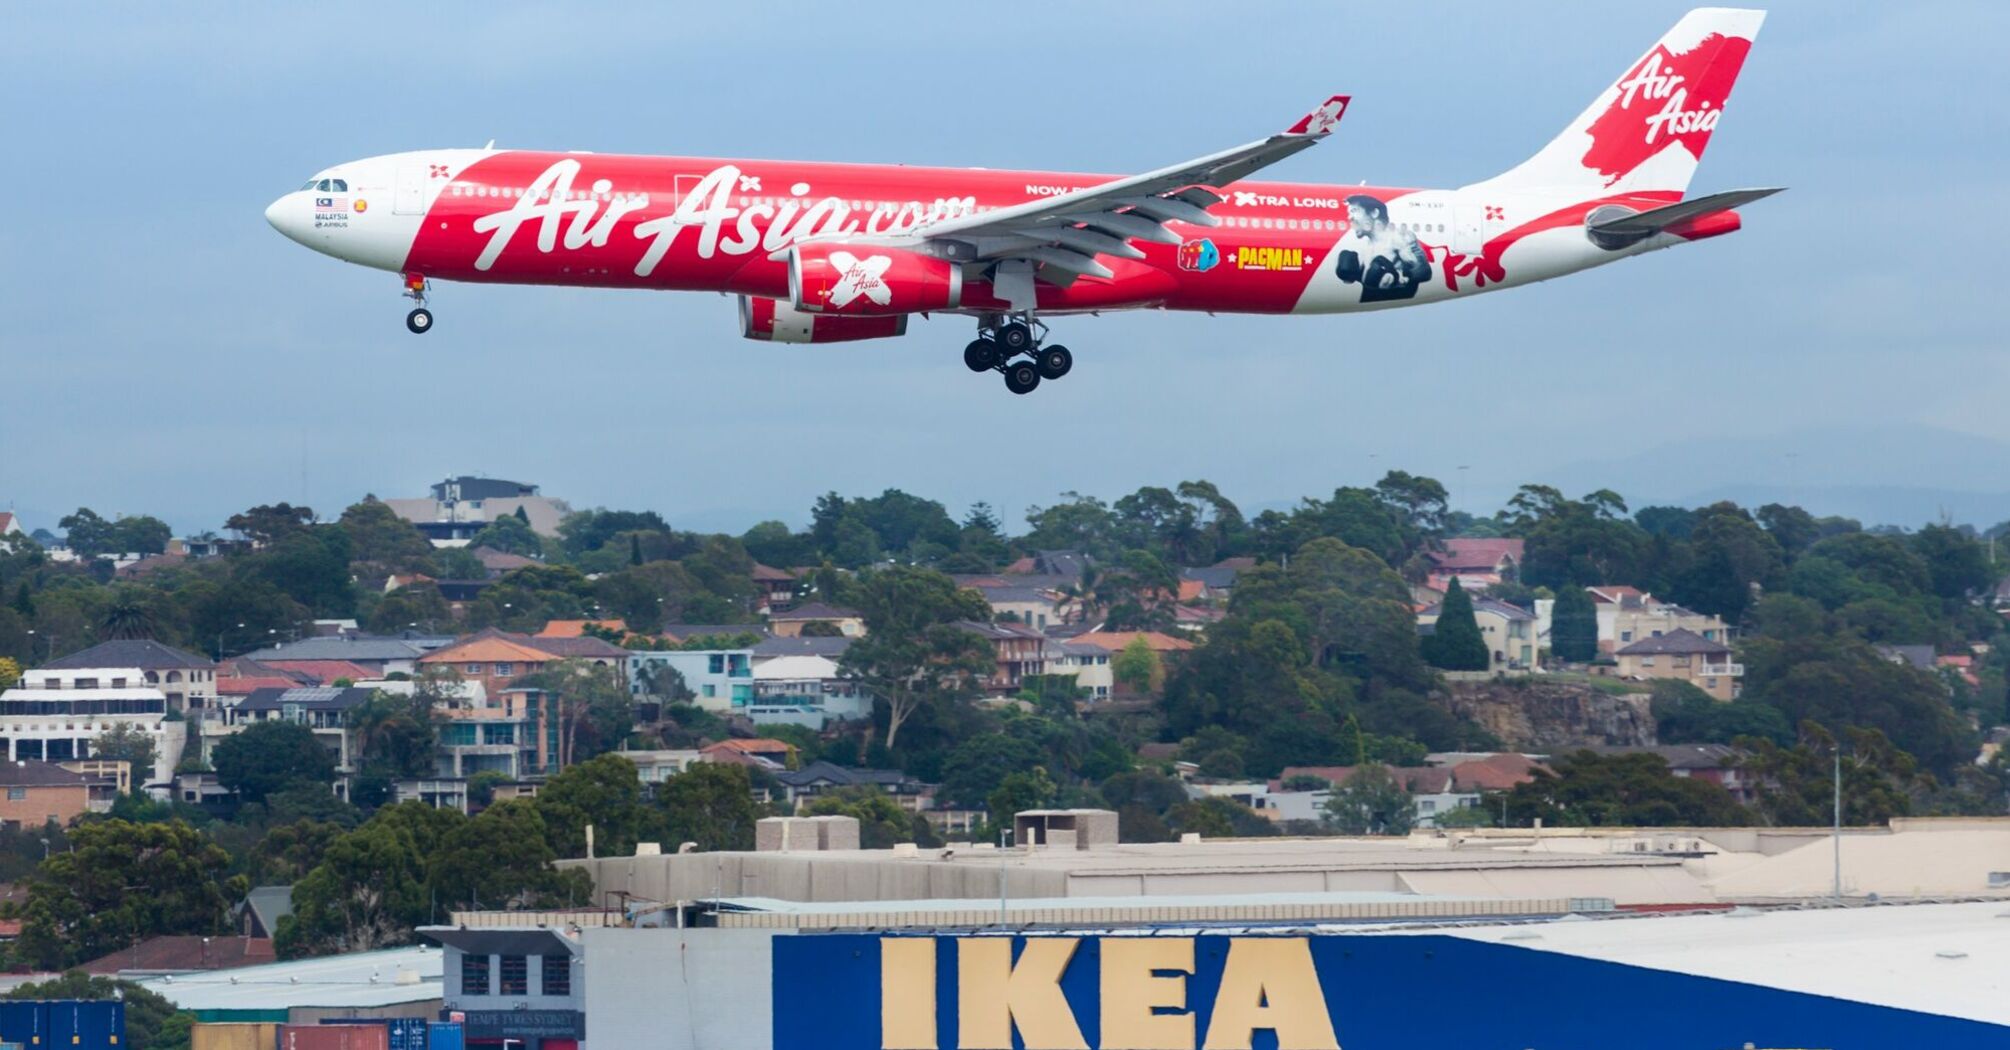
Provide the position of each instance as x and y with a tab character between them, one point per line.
1403	993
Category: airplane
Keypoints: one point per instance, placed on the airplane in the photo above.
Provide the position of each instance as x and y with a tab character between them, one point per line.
830	253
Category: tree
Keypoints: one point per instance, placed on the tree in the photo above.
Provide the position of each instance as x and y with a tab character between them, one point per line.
977	766
287	852
711	804
457	563
129	612
605	792
502	859
1797	784
127	742
1626	790
122	882
1370	802
509	534
394	735
1573	627
882	824
10	672
914	654
152	1022
414	606
377	535
371	888
1455	644
86	533
1137	666
265	524
595	712
1218	818
268	757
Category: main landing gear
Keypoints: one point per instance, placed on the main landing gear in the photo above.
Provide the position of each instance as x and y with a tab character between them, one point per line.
420	320
1003	339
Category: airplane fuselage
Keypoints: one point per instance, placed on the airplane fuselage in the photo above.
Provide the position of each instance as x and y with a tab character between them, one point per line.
703	224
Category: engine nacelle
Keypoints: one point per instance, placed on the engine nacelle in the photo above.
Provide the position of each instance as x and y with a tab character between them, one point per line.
777	322
865	281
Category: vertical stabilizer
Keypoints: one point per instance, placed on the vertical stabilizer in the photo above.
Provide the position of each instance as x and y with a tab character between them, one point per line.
1647	131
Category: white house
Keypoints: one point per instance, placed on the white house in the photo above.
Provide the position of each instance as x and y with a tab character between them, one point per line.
52	715
1090	664
721	679
806	690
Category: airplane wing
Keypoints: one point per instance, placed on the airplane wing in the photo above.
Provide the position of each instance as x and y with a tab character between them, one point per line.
1060	237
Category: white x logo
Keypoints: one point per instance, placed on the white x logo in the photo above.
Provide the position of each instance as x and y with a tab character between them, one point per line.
750	184
858	277
1243	199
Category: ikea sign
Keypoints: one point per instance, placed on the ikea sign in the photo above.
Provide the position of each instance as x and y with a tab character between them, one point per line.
1208	991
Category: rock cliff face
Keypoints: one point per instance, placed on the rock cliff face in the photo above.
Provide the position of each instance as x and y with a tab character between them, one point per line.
1553	716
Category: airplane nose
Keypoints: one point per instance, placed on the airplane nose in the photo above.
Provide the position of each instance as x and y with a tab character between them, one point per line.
289	215
274	212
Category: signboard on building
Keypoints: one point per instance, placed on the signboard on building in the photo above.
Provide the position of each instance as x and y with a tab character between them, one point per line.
1180	991
490	1025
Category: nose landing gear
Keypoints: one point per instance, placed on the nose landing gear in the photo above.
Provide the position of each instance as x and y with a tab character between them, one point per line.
420	320
1000	342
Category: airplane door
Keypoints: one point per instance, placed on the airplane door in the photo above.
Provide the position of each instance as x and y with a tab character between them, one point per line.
410	197
1468	229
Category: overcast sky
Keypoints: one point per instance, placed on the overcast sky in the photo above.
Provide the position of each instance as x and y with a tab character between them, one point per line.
163	351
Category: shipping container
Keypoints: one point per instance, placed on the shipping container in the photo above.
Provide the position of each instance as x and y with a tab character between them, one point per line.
240	1036
334	1037
406	1033
440	1035
87	1025
25	1023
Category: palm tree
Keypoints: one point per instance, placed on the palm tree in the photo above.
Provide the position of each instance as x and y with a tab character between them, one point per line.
128	614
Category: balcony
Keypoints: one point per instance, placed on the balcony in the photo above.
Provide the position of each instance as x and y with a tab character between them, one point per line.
1721	670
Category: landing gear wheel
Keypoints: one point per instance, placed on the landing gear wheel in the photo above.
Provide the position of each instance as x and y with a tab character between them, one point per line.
1022	377
1015	338
980	355
1053	361
419	321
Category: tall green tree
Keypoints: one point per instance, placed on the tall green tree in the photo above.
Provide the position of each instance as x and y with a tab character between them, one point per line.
371	888
605	792
1573	626
378	536
1455	643
502	860
711	804
120	883
1631	790
268	757
1370	802
914	654
127	742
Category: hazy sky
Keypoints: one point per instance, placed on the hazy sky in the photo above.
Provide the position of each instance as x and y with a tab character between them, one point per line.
163	351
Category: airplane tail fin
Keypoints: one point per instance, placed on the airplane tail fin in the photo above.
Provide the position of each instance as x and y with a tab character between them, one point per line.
1647	131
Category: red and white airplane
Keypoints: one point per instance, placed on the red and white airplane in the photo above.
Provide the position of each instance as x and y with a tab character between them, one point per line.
824	253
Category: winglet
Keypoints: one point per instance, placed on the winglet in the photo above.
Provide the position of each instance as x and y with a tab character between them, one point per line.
1321	122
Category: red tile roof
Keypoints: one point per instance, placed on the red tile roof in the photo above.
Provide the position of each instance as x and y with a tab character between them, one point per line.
322	672
577	628
1478	555
1495	772
183	954
1114	641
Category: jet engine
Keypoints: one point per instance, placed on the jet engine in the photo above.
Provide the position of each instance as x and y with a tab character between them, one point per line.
866	281
774	321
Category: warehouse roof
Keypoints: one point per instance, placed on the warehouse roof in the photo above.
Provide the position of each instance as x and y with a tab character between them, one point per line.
359	979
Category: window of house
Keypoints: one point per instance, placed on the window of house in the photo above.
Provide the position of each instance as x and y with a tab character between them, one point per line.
474	669
1626	636
505	669
474	974
1646	661
716	663
557	975
17	794
515	975
711	691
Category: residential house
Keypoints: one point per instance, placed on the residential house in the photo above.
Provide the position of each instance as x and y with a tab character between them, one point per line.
657	766
810	645
1212	584
577	628
808	691
774	589
52	715
502	563
324	672
1716	763
720	680
1111	643
798	786
1684	655
177	954
437	792
240	677
497	658
1035	607
12	535
383	654
790	623
1051	568
258	917
1089	664
1629	614
459	508
686	633
1434	791
187	680
1508	630
1018	651
761	752
1919	657
486	739
116	773
36	793
323	709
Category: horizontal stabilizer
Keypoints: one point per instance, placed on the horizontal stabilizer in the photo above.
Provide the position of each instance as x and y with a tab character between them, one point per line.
1652	222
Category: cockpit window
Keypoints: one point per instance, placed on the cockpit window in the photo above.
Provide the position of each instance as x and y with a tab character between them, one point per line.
310	185
341	185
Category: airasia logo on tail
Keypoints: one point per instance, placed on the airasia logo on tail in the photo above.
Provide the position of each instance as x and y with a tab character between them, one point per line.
1669	97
